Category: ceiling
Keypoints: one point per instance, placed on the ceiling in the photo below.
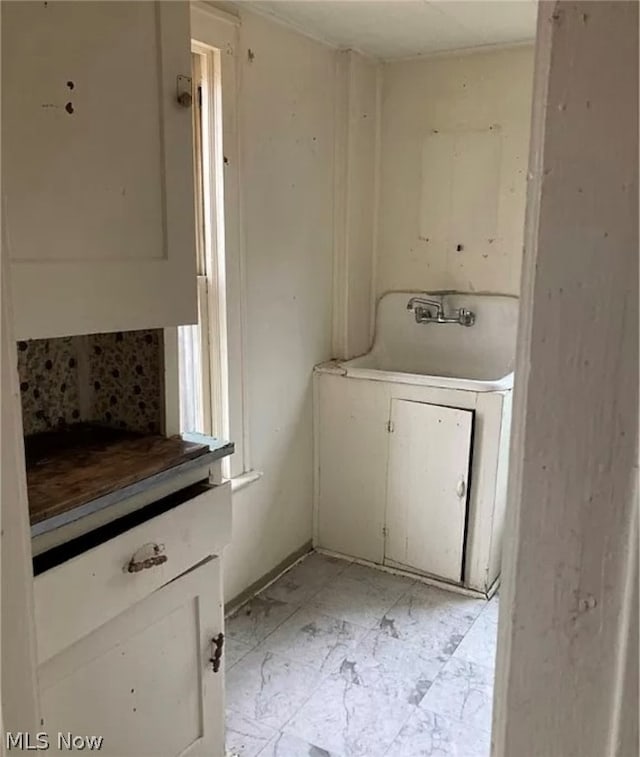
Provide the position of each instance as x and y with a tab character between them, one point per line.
392	29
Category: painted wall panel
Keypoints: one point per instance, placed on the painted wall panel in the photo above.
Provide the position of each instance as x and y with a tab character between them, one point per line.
454	146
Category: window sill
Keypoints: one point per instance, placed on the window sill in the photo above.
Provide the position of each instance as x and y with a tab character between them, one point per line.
244	479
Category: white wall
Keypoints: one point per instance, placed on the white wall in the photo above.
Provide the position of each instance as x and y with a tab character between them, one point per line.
286	130
462	94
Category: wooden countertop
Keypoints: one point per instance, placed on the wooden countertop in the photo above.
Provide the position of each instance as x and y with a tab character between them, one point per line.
69	468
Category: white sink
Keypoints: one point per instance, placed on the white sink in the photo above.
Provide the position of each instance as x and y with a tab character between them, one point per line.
477	358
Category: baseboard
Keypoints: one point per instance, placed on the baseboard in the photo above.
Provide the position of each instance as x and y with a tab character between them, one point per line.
493	588
456	588
268	578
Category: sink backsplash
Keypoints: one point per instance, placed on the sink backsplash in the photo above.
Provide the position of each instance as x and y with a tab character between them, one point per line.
113	379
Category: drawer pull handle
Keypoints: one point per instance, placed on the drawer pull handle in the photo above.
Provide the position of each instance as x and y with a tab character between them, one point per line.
146	557
216	651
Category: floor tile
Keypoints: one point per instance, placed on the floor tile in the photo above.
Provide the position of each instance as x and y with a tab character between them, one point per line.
305	579
361	595
244	737
285	745
480	643
393	666
268	688
255	620
312	638
432	619
429	735
351	720
234	651
337	659
446	605
462	691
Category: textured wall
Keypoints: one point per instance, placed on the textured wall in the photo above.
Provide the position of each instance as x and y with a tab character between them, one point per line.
442	184
115	379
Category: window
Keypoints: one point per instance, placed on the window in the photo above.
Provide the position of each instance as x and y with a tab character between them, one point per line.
211	355
202	348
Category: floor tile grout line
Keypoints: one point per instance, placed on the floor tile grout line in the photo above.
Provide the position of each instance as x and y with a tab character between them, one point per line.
321	680
410	715
308	604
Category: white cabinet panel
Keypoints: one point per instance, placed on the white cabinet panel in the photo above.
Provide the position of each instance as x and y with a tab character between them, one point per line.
143	681
97	166
185	535
351	444
427	485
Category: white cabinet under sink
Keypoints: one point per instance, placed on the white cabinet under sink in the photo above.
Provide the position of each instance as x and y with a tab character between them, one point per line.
412	476
427	483
97	178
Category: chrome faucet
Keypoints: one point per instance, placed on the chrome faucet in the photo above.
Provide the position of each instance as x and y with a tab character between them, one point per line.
422	309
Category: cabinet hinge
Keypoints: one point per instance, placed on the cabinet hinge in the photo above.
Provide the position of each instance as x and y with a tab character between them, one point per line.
217	644
385	531
390	426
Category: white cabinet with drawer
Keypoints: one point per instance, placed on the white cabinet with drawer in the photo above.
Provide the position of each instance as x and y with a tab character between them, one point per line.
97	176
127	631
143	681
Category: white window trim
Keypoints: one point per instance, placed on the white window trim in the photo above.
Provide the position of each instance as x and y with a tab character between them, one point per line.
213	30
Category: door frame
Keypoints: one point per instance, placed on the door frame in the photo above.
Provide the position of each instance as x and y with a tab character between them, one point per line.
568	627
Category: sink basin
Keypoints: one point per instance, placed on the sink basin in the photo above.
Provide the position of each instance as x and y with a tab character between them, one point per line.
476	358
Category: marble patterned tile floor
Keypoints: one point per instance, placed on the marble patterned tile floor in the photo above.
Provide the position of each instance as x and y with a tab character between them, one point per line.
336	659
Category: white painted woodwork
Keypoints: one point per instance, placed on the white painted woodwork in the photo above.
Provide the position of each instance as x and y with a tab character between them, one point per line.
215	33
19	705
356	142
97	167
567	675
351	462
352	448
102	587
143	680
427	487
453	160
391	29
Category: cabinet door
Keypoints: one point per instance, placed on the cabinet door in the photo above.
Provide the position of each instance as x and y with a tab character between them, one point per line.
429	451
97	166
143	681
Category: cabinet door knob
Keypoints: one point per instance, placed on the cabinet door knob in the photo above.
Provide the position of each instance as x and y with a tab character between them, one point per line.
217	643
461	488
148	556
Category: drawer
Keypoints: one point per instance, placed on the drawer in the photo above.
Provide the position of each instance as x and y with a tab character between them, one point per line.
79	595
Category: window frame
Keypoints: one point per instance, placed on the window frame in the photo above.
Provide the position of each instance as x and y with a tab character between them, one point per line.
214	36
